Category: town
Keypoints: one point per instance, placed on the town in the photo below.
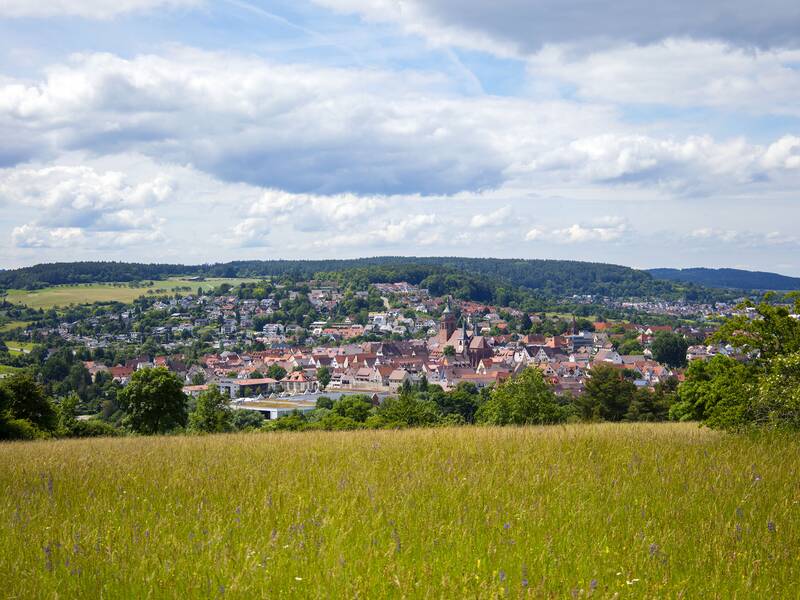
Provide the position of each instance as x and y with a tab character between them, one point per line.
274	347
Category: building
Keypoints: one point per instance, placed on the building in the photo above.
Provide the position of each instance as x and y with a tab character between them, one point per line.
238	388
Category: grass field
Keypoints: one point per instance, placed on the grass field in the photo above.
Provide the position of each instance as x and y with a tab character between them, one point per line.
12	325
64	295
15	347
642	511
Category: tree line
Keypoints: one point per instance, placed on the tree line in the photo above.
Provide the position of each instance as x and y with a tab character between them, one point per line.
480	279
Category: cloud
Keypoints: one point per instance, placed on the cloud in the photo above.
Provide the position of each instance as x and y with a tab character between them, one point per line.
748	239
252	232
88	9
678	73
521	27
535	234
496	218
328	131
414	229
34	236
609	231
308	212
74	203
293	127
696	165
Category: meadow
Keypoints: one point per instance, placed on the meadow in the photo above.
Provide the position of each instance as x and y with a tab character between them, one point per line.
65	295
13	325
628	511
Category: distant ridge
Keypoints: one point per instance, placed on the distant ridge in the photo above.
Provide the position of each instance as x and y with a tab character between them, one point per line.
469	275
730	278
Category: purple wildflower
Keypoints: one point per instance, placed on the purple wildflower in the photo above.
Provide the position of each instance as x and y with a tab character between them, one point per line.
593	584
771	526
48	557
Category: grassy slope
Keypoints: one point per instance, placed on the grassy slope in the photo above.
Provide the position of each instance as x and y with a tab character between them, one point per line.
16	348
64	295
647	511
12	325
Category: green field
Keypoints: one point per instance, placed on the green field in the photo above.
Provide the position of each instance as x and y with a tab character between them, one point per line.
64	295
15	347
7	370
12	325
628	511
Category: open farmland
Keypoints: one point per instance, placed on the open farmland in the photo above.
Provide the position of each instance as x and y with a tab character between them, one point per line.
64	295
650	511
12	325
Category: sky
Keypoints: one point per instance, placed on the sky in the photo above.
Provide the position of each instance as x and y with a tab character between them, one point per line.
192	131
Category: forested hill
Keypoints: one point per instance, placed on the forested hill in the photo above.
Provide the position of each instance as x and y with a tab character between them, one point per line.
729	278
546	277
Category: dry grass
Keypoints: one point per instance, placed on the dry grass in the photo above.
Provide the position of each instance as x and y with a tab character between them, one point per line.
645	511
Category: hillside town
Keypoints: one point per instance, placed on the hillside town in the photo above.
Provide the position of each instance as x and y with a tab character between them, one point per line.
279	343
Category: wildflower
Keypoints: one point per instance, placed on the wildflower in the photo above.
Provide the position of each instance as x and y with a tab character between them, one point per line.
298	579
507	526
524	583
48	557
502	575
653	549
593	584
771	526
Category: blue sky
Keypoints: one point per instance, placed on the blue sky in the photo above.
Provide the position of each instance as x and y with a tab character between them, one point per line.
194	131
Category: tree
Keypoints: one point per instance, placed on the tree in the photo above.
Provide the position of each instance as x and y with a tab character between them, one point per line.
276	371
323	377
247	420
777	403
153	401
464	401
716	391
448	350
356	407
771	331
523	400
28	401
212	414
632	346
525	323
406	411
324	402
670	349
609	392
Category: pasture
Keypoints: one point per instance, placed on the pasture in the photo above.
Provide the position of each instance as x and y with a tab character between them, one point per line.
65	295
628	511
16	348
13	325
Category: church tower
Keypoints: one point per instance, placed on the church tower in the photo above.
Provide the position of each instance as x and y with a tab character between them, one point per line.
447	324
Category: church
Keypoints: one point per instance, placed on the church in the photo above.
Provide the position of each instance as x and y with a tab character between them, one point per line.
467	345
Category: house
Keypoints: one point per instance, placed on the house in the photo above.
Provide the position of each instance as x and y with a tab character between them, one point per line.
194	390
121	374
237	388
398	378
297	382
609	356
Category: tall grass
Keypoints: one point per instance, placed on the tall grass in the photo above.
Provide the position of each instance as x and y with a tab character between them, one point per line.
643	511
